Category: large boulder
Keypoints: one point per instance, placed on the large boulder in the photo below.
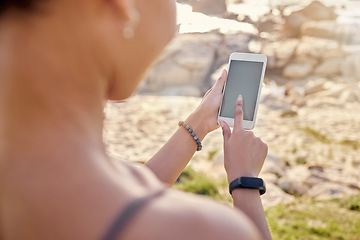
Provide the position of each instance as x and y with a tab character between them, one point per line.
209	7
292	186
297	70
351	66
316	86
315	11
274	196
318	11
279	53
274	165
330	67
238	42
187	61
293	23
285	51
328	190
321	29
317	48
343	32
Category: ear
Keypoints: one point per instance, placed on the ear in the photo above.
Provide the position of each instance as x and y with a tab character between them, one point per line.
126	10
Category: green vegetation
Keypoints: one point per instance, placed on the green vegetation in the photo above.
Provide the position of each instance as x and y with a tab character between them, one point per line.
324	139
354	144
315	134
316	220
302	219
301	160
288	114
199	183
294	150
211	154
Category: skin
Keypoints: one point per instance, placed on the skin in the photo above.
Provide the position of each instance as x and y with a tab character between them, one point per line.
58	66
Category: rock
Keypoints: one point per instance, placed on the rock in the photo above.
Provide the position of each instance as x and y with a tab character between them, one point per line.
231	43
314	11
269	50
328	190
292	187
316	168
351	95
333	91
279	53
306	59
269	23
315	177
296	98
187	90
285	51
187	61
318	11
293	182
274	195
269	178
316	47
209	7
298	173
342	32
350	66
274	165
297	70
293	24
195	22
271	92
315	86
330	67
320	29
245	18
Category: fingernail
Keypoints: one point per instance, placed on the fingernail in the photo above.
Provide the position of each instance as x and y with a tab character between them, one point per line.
222	124
240	99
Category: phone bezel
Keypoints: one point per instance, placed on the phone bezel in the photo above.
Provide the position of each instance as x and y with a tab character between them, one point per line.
251	57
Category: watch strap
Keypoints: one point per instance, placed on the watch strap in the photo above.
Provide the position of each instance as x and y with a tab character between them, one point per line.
248	183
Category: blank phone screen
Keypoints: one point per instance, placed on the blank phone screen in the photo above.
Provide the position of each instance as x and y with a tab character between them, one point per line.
243	79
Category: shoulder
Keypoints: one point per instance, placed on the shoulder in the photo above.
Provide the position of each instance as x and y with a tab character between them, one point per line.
178	215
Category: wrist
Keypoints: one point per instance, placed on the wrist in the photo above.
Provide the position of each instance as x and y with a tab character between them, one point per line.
197	124
233	176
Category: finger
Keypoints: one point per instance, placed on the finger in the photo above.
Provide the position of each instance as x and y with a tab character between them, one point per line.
226	131
207	93
238	121
219	85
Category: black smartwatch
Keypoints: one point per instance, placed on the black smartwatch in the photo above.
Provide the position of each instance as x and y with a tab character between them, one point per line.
249	183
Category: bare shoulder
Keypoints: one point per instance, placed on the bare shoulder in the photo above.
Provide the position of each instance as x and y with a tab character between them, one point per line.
179	215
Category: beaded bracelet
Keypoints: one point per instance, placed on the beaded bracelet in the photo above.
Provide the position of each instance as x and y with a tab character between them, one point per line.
193	134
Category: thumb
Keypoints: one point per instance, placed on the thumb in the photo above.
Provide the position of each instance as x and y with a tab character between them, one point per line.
226	131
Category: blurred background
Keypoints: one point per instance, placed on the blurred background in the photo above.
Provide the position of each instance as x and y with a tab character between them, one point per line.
309	113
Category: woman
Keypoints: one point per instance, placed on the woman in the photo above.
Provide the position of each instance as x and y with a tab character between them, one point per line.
60	61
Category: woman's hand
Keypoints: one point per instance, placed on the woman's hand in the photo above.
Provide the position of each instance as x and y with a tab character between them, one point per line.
244	153
205	116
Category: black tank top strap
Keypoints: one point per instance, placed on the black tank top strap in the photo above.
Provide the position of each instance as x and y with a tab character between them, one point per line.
124	218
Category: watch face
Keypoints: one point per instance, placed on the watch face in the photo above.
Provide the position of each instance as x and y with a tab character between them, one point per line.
252	182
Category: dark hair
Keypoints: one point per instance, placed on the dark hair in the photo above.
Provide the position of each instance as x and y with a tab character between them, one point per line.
17	4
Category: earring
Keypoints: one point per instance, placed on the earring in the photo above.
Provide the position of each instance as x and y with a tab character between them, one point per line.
128	31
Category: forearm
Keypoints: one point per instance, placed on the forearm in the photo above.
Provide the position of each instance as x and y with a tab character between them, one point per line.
248	201
170	161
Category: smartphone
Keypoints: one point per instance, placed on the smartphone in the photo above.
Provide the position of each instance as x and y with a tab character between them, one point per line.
245	77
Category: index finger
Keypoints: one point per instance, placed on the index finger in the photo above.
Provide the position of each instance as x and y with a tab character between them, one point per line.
238	118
